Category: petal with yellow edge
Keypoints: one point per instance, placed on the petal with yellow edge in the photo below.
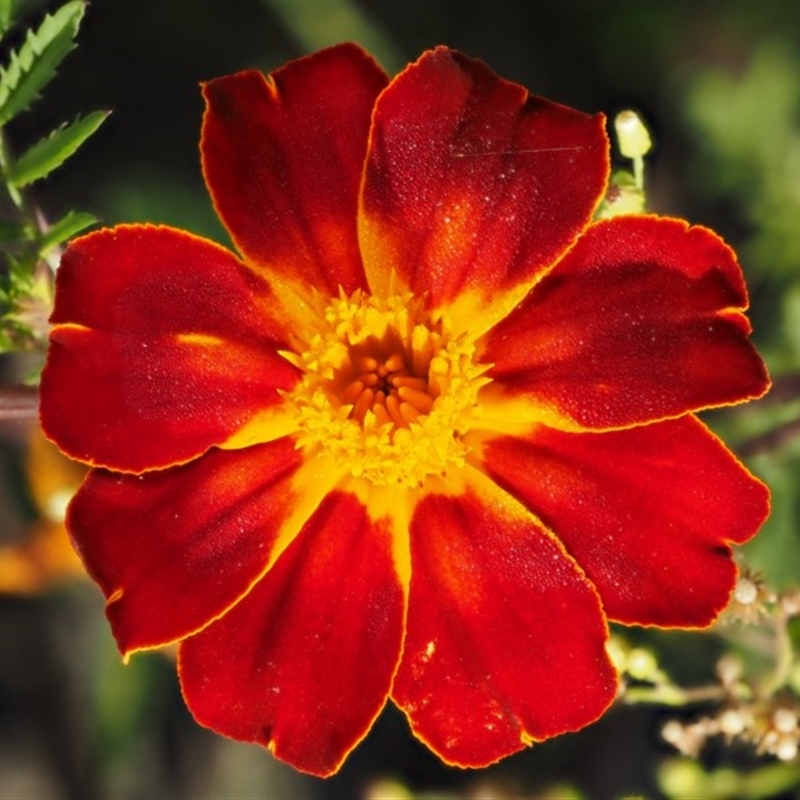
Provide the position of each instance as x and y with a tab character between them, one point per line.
644	511
283	156
303	665
472	186
505	635
174	549
642	320
163	345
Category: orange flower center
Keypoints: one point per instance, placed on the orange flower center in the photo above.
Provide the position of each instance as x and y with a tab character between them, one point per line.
388	379
387	390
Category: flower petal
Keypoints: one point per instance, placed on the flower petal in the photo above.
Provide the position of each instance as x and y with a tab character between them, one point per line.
642	320
473	187
505	639
163	345
174	549
304	663
647	512
283	156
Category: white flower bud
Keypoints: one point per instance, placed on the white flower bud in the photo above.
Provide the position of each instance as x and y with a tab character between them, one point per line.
784	720
732	722
746	591
786	749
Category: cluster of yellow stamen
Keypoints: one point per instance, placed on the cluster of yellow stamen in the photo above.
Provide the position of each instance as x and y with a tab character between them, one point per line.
386	390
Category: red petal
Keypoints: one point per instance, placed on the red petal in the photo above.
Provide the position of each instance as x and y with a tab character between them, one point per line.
304	664
505	640
647	512
283	157
640	321
472	184
174	549
164	345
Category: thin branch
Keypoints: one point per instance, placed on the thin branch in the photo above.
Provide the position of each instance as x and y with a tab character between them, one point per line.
671	695
784	388
19	402
771	440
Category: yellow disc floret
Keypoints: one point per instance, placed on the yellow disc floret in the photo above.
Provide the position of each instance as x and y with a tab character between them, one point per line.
387	391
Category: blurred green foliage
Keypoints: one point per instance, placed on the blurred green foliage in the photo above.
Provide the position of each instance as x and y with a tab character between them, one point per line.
745	120
718	82
26	238
747	124
683	779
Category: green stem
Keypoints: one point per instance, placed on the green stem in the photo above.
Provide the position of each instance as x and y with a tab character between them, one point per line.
784	656
638	173
5	162
669	695
773	439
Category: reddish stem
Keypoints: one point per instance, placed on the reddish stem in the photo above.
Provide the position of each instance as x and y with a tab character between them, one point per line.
19	402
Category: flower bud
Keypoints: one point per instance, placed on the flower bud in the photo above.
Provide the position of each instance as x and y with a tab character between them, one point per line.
632	135
746	591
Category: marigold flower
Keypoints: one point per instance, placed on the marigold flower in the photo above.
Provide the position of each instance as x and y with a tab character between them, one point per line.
423	436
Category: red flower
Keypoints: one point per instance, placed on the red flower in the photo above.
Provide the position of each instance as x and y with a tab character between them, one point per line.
423	437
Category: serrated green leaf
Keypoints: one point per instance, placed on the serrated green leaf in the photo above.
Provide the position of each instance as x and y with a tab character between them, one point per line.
32	66
70	224
6	16
51	152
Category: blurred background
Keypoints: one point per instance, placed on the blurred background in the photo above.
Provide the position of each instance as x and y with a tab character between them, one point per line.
717	81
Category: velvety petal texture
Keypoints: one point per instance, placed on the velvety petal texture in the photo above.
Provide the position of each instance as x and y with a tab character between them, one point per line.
649	513
163	345
283	156
304	664
641	320
472	184
423	437
505	639
176	548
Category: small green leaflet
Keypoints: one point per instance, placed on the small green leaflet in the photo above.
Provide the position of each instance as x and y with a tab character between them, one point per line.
70	224
6	16
50	153
32	66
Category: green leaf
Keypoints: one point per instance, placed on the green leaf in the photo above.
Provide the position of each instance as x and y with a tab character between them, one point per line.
51	152
70	224
32	66
6	16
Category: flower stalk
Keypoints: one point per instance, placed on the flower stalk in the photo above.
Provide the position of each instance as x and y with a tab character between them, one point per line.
19	402
634	142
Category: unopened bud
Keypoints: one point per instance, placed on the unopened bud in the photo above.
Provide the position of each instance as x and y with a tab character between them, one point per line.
732	722
729	670
632	135
784	720
642	664
746	591
786	749
673	732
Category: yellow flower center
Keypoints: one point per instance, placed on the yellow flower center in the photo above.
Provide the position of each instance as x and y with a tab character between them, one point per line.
387	391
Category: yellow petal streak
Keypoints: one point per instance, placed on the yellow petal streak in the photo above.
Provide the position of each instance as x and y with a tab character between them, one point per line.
388	391
387	504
